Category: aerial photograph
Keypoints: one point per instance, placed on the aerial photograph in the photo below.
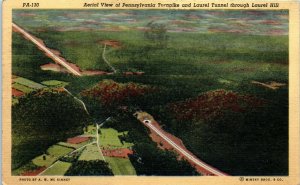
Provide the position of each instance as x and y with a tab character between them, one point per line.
150	92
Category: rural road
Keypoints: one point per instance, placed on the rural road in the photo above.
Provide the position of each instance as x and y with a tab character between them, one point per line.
106	61
46	50
149	125
64	156
97	126
98	142
183	151
79	100
96	135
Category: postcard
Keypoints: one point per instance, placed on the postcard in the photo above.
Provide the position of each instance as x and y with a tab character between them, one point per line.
150	92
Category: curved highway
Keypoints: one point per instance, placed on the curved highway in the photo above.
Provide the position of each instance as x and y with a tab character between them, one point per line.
201	166
186	154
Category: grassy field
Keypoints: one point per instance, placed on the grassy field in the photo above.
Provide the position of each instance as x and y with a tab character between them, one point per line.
28	83
91	152
109	138
54	83
39	161
54	152
120	166
85	142
91	130
58	151
59	168
68	145
22	88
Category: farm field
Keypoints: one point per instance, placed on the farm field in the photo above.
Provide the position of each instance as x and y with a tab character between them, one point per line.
58	151
78	140
22	88
120	166
90	130
59	168
28	83
39	161
69	145
54	152
75	146
55	83
91	152
25	168
109	138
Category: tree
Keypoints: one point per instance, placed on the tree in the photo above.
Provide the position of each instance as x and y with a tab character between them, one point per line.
148	159
89	168
157	34
42	119
257	136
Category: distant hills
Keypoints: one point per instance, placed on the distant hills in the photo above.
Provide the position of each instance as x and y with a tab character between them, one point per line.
248	22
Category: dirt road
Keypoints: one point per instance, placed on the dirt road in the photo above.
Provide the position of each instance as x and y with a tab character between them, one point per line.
106	61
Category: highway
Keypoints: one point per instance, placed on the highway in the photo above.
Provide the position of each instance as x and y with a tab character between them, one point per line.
149	125
183	152
46	50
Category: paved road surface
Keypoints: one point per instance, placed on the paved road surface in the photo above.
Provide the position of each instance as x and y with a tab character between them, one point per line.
184	153
46	50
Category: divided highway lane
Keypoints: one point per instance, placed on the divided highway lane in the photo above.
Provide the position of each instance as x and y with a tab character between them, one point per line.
183	152
46	50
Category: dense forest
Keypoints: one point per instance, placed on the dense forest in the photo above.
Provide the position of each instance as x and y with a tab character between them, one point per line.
243	131
41	119
89	168
147	158
223	128
228	134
